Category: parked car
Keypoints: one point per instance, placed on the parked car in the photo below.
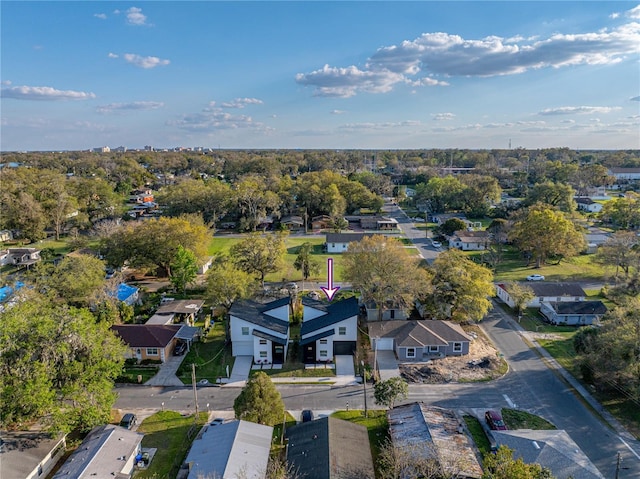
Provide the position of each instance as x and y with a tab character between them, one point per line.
217	421
495	421
307	415
535	277
128	420
292	286
436	244
180	349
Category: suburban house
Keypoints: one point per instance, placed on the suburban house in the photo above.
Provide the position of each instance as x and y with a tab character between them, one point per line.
21	256
391	311
328	329
434	433
372	222
108	451
127	294
29	454
292	223
553	449
339	242
330	448
206	264
588	205
419	340
545	292
628	174
443	217
260	330
6	235
575	313
595	237
230	450
177	311
148	341
470	240
319	223
141	196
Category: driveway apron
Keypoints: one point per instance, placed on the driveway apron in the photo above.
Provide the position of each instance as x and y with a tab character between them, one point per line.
387	365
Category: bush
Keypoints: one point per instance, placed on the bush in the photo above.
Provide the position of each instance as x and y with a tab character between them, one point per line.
130	362
150	361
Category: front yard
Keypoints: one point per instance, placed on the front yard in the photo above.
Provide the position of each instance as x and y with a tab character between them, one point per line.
210	356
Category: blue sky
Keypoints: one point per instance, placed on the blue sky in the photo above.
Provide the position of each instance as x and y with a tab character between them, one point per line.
316	74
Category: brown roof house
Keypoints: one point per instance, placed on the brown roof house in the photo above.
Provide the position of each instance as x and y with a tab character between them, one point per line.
419	340
148	341
330	448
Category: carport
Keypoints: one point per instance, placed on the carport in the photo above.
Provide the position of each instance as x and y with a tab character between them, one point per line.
387	365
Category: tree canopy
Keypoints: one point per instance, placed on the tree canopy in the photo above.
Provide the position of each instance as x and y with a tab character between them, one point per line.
57	365
259	254
502	465
226	283
259	401
388	392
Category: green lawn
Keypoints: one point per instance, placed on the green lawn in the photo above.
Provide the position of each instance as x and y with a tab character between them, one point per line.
210	357
171	433
477	433
376	424
515	419
130	374
296	370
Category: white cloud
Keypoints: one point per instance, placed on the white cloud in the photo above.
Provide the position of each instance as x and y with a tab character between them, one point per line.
635	98
101	16
136	105
338	112
136	17
634	13
420	61
239	103
443	116
144	62
6	82
570	110
213	118
45	93
112	55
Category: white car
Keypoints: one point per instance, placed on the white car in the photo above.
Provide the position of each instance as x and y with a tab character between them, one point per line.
535	277
436	244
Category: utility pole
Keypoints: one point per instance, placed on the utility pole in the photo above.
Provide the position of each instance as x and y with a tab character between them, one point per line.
364	387
618	466
195	389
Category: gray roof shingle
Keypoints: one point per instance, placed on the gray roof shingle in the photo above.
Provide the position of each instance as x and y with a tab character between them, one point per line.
335	312
255	313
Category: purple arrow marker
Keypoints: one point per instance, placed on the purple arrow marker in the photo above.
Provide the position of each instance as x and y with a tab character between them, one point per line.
330	291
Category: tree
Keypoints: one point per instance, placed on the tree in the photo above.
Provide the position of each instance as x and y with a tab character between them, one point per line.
259	401
387	393
480	193
382	270
543	232
521	295
226	283
212	199
502	465
461	288
57	365
498	229
621	250
416	459
451	226
305	262
254	201
623	212
259	254
184	268
558	195
444	194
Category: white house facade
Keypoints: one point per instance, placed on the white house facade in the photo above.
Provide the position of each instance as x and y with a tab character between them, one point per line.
339	242
470	240
260	330
545	292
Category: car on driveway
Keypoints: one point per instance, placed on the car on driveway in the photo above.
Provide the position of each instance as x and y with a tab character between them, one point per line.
307	415
128	420
535	277
436	244
494	420
180	349
217	421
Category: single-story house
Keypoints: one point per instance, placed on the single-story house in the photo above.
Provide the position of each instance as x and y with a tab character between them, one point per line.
29	454
430	432
330	448
419	340
292	223
441	218
391	311
230	450
6	235
553	449
321	222
575	313
127	294
588	205
148	341
328	329
545	292
22	256
378	223
339	242
625	173
470	240
183	310
260	330
108	451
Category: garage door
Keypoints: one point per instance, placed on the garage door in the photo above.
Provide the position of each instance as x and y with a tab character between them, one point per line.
384	344
242	348
343	347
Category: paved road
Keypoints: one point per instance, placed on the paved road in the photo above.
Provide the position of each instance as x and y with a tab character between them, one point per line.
409	229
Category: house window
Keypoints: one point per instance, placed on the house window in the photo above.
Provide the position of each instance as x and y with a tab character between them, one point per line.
263	354
342	330
434	349
392	314
263	341
457	347
152	351
323	341
245	331
411	352
323	353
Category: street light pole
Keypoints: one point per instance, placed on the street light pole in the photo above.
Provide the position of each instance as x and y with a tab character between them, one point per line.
364	387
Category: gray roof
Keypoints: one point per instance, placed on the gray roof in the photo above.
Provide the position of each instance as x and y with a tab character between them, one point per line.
231	450
23	451
553	449
315	337
255	313
99	455
329	448
181	306
547	289
270	337
346	237
420	333
335	312
578	307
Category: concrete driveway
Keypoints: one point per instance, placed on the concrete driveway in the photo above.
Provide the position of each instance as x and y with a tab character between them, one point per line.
387	365
167	374
240	371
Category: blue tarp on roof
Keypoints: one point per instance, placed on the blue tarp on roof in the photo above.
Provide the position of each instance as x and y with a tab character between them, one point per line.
125	291
7	291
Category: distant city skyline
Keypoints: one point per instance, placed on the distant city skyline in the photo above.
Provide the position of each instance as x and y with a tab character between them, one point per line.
320	75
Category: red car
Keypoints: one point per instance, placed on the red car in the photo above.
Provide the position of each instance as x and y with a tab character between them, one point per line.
495	421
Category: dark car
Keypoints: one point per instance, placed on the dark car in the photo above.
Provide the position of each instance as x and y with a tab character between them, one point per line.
307	415
495	421
128	420
180	349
